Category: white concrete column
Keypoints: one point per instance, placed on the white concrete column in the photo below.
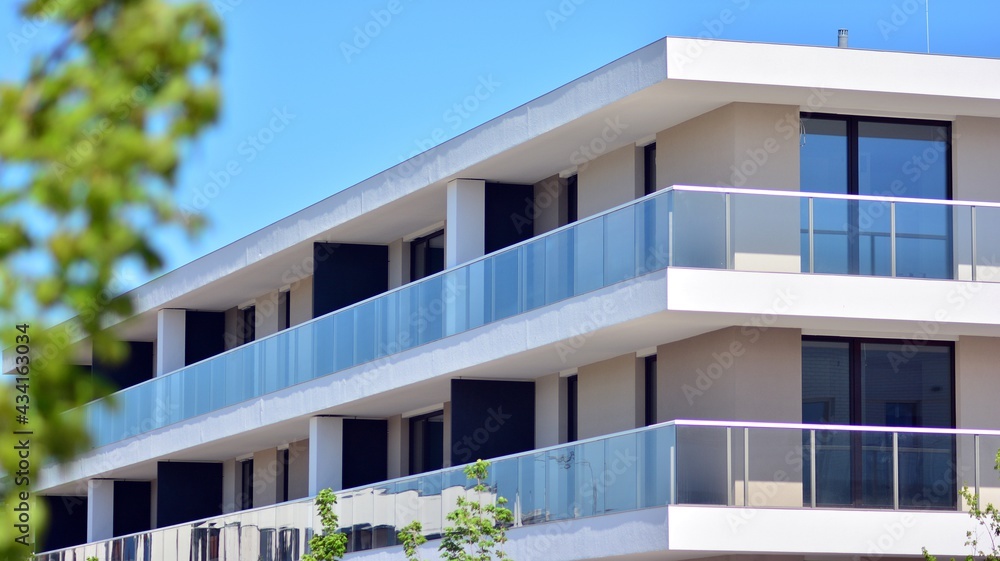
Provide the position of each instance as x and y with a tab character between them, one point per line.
395	457
326	446
170	326
265	477
100	509
464	232
228	486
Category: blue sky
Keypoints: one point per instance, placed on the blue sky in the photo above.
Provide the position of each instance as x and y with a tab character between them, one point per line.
319	95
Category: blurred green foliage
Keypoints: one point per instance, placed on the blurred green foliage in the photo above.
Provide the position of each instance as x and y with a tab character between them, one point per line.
90	144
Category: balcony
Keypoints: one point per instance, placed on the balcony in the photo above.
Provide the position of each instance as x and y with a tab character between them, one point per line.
693	227
740	467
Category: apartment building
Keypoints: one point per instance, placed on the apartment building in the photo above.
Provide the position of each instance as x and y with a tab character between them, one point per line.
714	299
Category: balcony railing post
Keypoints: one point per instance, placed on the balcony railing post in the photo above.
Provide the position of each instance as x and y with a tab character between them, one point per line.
892	239
976	452
729	466
812	236
812	467
975	249
673	470
729	231
746	466
895	470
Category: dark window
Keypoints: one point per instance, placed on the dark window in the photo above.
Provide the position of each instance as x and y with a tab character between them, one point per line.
245	499
427	255
649	165
427	442
248	324
284	310
571	200
572	408
650	390
881	157
872	382
282	475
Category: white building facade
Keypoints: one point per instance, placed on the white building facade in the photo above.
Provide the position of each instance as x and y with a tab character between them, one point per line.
715	299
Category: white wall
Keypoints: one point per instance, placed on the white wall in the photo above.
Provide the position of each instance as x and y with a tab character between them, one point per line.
551	208
748	146
100	509
265	477
608	394
609	180
977	386
399	263
170	332
266	314
301	297
976	167
550	410
736	374
298	469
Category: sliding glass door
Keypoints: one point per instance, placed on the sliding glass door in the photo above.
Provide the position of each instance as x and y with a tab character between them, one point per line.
873	382
848	155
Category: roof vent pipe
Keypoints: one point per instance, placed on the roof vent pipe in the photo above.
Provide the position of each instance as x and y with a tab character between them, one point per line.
842	38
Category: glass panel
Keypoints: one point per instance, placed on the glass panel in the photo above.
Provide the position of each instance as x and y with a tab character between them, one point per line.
534	275
589	260
655	475
456	301
323	347
365	323
831	227
924	241
775	477
826	399
927	471
765	231
904	385
619	244
620	474
652	219
903	160
343	323
506	284
823	156
987	259
701	465
559	262
698	229
532	483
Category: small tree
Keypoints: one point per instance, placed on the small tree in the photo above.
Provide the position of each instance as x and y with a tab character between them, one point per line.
987	518
328	545
412	537
479	530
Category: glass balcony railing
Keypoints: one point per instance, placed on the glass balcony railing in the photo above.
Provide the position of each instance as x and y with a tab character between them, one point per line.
719	463
682	226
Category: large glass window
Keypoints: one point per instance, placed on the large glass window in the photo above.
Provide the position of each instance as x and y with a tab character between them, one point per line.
877	157
427	255
427	442
879	383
